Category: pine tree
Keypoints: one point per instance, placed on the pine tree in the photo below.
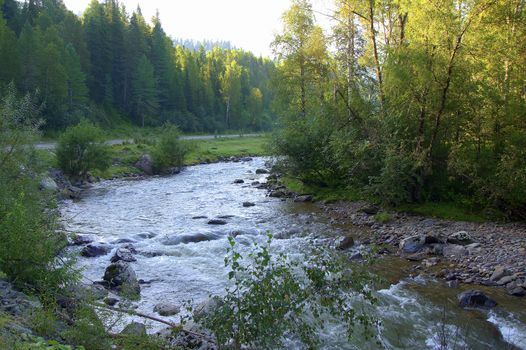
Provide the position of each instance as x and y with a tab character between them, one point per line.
144	93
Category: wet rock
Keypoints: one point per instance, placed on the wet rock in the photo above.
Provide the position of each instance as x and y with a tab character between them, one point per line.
135	329
345	243
199	217
303	199
48	184
453	284
419	256
261	171
123	254
71	192
278	193
239	181
412	244
145	164
93	251
505	280
111	301
123	241
191	238
81	240
432	240
95	291
475	298
498	273
166	309
122	277
248	204
217	222
460	237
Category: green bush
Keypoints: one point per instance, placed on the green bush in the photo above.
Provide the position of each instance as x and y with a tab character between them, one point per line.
169	151
273	296
81	149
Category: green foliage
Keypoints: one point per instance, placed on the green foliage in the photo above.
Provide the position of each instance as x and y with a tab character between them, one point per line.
273	296
169	151
28	253
383	217
81	149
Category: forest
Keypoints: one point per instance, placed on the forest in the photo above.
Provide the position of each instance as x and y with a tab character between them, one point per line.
116	68
408	101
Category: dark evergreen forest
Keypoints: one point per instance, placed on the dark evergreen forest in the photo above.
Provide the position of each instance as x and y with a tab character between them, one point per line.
115	67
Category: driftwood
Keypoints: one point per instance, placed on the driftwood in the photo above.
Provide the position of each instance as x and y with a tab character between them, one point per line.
153	318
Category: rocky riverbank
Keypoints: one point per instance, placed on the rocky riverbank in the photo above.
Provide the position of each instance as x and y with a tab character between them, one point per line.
489	254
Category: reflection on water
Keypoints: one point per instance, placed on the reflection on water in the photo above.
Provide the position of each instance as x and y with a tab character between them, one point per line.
180	255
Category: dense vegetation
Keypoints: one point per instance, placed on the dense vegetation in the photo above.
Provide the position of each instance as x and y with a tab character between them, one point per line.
415	101
115	68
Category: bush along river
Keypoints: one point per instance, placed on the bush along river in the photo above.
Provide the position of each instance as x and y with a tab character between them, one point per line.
168	235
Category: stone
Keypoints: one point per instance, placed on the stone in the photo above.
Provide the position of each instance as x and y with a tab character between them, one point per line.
460	237
93	251
199	217
498	273
207	307
412	244
454	250
475	298
261	171
71	192
303	199
123	254
135	329
418	256
81	240
239	181
431	262
369	210
145	164
248	204
166	309
453	284
356	256
111	301
217	222
122	277
279	193
48	184
505	280
345	243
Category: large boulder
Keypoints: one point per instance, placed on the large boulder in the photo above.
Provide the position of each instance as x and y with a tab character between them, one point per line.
412	244
123	254
461	238
475	298
345	243
71	192
135	329
121	277
207	307
261	171
48	184
93	251
145	164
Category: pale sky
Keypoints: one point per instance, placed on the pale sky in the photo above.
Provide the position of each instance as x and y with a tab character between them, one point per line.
247	24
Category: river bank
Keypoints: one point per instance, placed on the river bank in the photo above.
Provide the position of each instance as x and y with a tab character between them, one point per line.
474	253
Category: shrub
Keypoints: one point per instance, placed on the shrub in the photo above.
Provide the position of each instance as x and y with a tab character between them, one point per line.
169	151
81	149
273	296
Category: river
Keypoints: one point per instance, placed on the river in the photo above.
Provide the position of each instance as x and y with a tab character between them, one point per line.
158	216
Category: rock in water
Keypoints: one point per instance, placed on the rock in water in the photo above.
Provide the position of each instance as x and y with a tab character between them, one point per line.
135	329
261	171
217	222
303	199
346	243
239	181
475	298
93	251
248	204
122	277
145	164
123	254
166	309
412	244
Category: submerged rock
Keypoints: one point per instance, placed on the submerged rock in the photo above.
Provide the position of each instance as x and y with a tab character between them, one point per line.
239	181
217	222
248	204
303	199
475	298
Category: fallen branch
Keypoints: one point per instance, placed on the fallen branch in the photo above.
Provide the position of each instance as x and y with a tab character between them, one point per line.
153	318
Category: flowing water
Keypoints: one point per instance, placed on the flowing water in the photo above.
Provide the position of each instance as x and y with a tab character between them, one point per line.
180	257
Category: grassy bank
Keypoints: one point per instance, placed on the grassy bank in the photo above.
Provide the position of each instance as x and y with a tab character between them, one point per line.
442	210
124	156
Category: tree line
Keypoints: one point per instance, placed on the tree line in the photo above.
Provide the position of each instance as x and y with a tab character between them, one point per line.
113	68
409	101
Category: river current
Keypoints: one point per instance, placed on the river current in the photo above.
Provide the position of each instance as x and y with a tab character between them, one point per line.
163	217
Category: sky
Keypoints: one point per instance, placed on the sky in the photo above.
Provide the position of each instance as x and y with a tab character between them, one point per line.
247	24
